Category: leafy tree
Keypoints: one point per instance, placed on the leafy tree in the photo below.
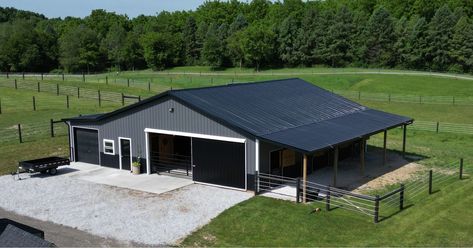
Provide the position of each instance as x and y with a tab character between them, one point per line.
439	37
114	43
258	44
418	44
380	39
289	43
191	46
310	35
213	49
79	50
339	39
159	50
462	46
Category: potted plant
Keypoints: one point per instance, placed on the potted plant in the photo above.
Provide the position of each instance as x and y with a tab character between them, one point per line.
136	166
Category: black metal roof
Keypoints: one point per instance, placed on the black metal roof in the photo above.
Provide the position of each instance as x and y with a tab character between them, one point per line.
289	112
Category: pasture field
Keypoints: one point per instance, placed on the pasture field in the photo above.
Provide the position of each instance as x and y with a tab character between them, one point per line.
437	221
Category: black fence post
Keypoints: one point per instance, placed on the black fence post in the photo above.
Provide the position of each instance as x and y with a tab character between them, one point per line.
8	76
128	82
78	92
106	79
359	95
63	77
438	125
298	190
42	76
256	183
149	86
23	75
376	209
327	199
100	98
39	87
401	198
139	98
16	84
430	181
19	133
420	99
34	103
461	168
57	89
83	77
123	100
67	101
52	127
389	97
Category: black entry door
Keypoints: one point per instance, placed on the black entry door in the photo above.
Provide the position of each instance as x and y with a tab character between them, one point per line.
125	153
219	162
86	145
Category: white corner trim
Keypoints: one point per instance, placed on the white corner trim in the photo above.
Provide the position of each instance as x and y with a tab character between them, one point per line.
195	135
148	163
113	146
257	154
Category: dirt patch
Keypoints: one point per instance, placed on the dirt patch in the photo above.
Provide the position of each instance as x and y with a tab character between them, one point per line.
397	176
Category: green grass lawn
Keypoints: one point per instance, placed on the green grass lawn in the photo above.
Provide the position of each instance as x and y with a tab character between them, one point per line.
440	220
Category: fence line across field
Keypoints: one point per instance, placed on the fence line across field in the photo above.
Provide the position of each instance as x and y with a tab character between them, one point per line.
306	191
32	131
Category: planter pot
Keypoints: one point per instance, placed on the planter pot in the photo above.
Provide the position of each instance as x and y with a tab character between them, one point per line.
136	170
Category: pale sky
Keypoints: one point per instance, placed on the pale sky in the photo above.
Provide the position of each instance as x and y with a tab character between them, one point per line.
81	8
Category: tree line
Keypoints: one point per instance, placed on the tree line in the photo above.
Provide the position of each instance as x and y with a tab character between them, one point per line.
408	34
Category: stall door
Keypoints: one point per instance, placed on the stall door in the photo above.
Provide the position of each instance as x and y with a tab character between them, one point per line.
86	145
219	162
125	153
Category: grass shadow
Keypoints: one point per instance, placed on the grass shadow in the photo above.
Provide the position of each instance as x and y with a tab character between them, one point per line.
386	217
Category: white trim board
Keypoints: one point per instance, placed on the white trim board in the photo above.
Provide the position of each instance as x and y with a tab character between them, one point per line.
113	146
195	135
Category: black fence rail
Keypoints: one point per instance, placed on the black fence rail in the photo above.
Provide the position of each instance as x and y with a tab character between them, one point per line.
79	92
377	207
171	163
32	131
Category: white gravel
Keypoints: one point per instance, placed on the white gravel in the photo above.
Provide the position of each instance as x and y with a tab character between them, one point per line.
116	212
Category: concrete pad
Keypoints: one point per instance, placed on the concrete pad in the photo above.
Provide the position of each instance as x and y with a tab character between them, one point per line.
153	183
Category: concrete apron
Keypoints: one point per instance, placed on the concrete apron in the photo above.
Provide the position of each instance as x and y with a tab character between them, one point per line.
153	183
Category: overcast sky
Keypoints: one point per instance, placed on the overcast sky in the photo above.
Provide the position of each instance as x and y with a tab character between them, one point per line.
81	8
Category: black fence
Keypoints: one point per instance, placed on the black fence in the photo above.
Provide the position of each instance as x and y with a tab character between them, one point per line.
171	163
377	207
26	132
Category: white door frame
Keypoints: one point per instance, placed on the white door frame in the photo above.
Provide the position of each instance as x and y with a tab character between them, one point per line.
120	152
202	136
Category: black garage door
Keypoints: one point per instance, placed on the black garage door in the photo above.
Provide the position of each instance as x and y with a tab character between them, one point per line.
219	162
86	145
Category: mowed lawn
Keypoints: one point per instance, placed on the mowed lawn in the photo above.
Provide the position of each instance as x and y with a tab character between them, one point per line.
442	219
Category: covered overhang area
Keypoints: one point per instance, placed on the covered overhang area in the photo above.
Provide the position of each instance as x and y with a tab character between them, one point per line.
326	143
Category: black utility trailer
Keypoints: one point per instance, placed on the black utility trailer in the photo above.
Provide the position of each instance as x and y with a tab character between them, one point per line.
42	165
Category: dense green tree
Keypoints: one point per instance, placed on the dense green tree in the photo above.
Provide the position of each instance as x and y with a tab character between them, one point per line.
80	50
338	50
462	46
439	37
288	41
114	43
213	49
191	46
380	39
160	50
418	43
258	44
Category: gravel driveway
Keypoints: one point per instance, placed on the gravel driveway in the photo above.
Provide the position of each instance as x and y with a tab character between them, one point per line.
117	213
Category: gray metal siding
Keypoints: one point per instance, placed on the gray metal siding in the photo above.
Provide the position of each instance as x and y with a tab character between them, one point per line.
157	116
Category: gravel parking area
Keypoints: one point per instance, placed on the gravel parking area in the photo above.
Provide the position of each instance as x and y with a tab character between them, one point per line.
117	213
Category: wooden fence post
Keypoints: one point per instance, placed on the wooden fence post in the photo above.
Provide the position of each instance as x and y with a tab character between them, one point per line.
83	77
23	75
128	82
327	199
34	103
438	125
401	198
63	77
100	98
67	101
78	92
376	209
430	181
461	168
123	100
106	79
298	190
139	98
16	84
19	133
149	86
359	95
39	87
51	123
57	89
